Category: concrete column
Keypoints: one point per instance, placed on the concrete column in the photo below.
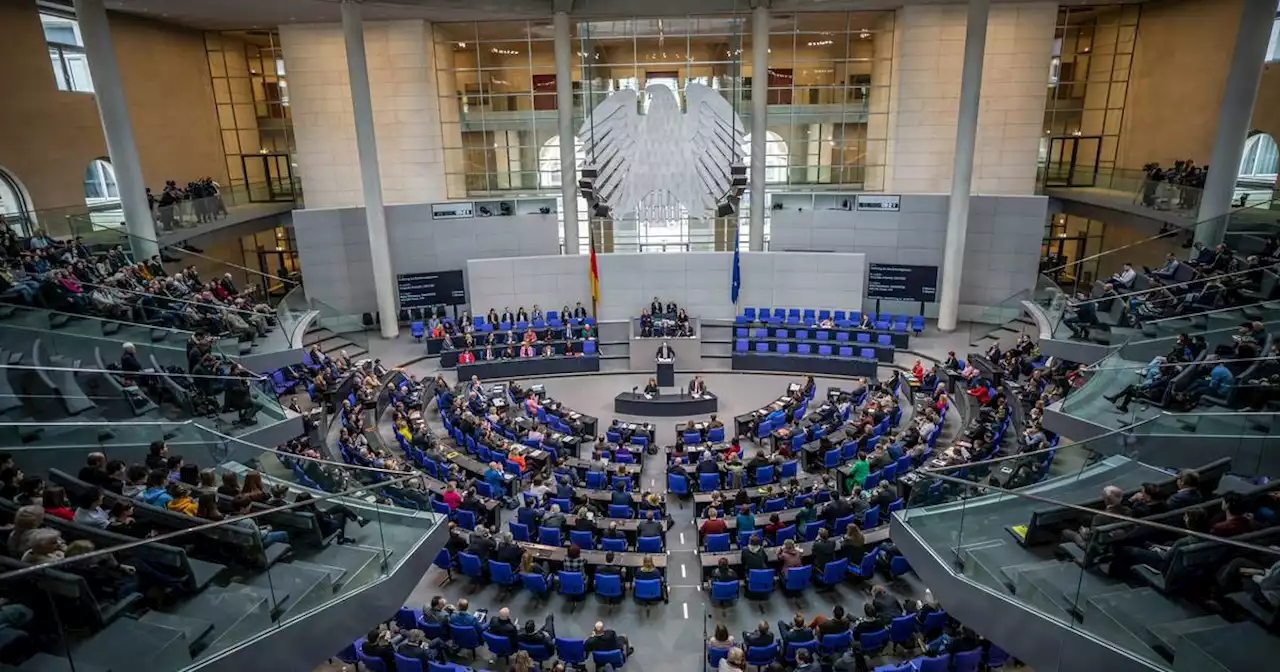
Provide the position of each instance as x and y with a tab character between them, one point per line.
759	122
568	137
975	42
1248	57
116	127
370	177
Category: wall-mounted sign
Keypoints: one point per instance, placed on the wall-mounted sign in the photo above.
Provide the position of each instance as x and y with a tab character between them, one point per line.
419	290
452	210
878	203
902	282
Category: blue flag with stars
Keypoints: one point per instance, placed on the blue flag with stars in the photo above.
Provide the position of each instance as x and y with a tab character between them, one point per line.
736	282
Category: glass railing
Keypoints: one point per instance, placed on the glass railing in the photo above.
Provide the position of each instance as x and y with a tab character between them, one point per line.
342	325
290	312
1249	438
203	572
1135	582
104	224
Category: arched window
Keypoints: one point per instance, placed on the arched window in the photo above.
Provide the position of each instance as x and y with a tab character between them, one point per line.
775	157
1260	157
100	183
549	161
15	204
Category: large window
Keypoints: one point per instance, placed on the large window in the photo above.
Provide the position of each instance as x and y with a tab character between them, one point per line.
1259	159
100	183
66	53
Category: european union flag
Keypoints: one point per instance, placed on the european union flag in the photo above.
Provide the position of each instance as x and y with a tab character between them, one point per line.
736	283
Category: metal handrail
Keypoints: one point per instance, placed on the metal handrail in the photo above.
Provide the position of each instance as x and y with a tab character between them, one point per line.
137	374
96	318
1204	313
1039	451
1176	284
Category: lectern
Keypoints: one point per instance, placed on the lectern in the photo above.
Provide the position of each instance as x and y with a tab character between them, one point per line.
666	371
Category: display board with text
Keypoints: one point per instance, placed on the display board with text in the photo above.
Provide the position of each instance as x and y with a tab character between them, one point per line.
902	282
419	290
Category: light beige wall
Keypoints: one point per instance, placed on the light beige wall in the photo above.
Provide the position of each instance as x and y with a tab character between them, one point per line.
1179	70
1266	112
48	137
406	111
925	98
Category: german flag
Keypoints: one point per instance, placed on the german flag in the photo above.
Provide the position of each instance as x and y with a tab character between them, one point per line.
595	273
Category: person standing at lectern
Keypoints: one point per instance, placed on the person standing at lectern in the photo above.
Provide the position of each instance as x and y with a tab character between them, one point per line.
651	388
697	387
665	351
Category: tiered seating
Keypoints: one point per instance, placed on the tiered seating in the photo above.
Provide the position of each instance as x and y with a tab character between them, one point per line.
844	320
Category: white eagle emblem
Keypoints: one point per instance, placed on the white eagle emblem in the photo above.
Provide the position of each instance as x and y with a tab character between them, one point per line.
688	156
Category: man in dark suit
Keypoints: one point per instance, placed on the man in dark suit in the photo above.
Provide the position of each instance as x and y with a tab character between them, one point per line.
602	639
503	626
824	551
507	316
509	552
481	545
578	311
414	646
377	644
655	308
795	631
886	605
697	386
754	556
129	360
649	527
835	625
610	566
665	351
620	495
532	635
760	637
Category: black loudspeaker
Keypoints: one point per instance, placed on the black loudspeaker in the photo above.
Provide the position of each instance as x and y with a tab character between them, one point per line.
724	210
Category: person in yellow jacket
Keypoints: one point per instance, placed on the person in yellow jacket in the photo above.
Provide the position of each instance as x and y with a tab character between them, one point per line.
182	501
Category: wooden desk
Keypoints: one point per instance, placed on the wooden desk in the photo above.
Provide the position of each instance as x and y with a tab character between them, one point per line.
612	468
558	554
709	560
704	498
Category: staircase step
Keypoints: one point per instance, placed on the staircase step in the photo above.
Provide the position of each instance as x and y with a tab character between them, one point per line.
356	563
1067	585
1168	635
1125	617
154	647
334	573
194	629
1236	647
236	612
294	587
203	573
43	662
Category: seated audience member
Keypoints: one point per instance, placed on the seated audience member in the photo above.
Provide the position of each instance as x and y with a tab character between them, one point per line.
55	503
415	646
1113	501
602	639
377	644
1236	520
761	637
89	509
1125	276
795	631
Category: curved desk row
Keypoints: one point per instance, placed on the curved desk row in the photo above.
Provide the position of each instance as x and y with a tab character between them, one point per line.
883	353
664	405
836	366
528	368
899	339
435	345
449	358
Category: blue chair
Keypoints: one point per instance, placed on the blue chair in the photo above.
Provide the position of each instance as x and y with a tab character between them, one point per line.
624	481
784	347
519	532
902	630
466	638
749	313
716	435
404	664
370	663
470	565
917	324
764	475
549	536
797	578
884	339
724	592
789	469
621	511
996	657
677	485
762	346
898	566
566	505
760	583
896	505
602	658
871	518
536	583
833	573
444	561
407	618
615	544
691	438
465	519
498	645
572	584
707	482
935	622
872	480
759	333
832	644
874	642
609	586
761	656
933	663
717	543
537	652
824	350
764	429
583	538
501	574
775	504
744	536
784	533
842	337
647	590
649	545
571	651
792	648
846	351
832	458
803	349
889	472
418	330
966	661
595	480
715	655
811	531
842	523
824	335
865	569
809	316
862	337
641	441
801	335
867	353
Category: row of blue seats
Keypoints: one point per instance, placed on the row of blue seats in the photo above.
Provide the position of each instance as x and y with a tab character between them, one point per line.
816	336
569	651
811	316
740	346
872	644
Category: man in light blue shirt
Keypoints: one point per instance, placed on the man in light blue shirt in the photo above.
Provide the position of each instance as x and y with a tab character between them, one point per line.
1170	268
1218	383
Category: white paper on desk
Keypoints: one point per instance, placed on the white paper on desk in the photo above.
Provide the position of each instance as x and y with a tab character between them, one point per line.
648	396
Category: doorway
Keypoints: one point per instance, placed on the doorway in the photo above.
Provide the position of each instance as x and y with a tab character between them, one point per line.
269	177
277	267
1073	161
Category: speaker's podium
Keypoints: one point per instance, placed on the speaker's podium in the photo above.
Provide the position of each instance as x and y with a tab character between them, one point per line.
666	361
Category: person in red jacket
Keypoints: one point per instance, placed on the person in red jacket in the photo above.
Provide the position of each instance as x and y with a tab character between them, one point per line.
713	524
451	496
466	357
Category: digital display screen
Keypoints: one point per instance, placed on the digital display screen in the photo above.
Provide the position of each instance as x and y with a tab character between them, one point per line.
420	290
902	282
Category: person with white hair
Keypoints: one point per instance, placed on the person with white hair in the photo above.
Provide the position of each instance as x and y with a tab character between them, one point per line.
45	545
1113	501
555	518
129	359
